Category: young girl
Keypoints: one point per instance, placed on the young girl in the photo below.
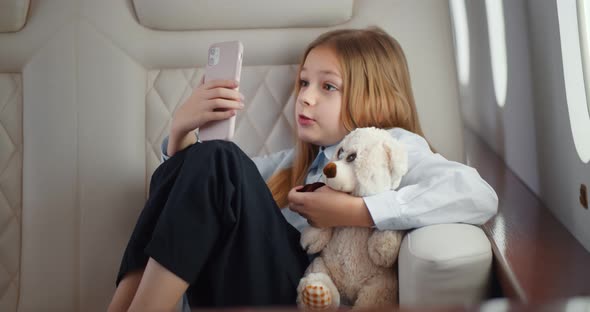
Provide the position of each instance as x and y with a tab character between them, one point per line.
211	227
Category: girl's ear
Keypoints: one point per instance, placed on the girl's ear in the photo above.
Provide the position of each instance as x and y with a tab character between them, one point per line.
397	158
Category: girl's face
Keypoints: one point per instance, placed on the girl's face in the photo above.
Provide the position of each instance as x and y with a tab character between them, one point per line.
317	110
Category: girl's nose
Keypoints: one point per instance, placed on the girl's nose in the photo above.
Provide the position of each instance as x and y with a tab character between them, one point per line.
307	97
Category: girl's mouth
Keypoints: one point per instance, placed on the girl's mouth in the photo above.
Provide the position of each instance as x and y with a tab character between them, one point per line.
304	120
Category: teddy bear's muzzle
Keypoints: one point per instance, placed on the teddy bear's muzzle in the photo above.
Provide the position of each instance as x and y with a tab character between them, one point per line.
330	170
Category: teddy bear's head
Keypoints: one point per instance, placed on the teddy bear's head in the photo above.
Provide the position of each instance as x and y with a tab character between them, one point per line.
367	161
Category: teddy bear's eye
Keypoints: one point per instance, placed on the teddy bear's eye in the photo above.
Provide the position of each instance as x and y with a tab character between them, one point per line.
351	157
340	153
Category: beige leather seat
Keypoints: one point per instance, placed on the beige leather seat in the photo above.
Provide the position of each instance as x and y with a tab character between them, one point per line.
87	89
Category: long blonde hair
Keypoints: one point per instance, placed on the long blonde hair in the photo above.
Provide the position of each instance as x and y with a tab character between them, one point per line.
376	92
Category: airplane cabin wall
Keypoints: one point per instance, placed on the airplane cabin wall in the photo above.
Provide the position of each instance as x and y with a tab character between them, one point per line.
531	132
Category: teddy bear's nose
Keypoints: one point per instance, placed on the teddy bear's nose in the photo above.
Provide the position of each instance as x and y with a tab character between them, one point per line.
330	170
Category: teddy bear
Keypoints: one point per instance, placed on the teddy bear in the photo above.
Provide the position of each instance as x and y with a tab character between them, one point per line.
355	265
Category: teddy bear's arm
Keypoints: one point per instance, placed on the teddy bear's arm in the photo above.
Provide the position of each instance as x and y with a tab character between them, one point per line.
384	247
315	239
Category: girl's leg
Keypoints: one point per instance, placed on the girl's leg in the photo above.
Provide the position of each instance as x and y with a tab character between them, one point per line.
125	292
134	262
256	259
159	290
211	221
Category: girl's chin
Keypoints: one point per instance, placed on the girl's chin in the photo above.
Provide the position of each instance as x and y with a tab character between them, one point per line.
306	136
313	140
313	136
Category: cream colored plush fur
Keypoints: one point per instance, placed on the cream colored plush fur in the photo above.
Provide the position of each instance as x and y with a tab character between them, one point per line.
356	263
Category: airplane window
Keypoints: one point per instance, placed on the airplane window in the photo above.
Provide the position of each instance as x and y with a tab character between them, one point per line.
461	37
573	75
496	34
584	28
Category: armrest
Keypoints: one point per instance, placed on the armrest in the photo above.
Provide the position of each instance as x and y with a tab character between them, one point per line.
444	264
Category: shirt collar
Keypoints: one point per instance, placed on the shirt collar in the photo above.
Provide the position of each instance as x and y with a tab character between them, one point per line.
328	153
329	150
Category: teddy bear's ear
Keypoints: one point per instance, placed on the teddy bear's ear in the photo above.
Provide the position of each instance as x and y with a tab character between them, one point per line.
397	160
388	151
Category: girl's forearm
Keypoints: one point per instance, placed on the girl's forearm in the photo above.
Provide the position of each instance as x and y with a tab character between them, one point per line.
360	213
178	142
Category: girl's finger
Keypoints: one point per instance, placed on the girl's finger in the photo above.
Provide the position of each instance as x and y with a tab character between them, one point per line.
221	115
224	93
304	215
295	197
222	104
219	83
297	208
293	206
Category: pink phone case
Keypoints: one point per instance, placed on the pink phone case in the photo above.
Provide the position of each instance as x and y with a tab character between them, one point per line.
224	62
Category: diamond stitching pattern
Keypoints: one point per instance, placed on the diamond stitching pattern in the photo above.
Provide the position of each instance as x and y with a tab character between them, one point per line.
10	187
264	126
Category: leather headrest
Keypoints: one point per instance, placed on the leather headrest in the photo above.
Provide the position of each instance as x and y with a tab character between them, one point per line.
13	15
231	14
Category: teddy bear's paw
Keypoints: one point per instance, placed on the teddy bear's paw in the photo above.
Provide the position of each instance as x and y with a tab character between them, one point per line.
314	239
384	247
317	292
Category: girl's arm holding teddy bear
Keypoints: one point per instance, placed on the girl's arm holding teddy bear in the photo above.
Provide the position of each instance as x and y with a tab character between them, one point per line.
434	190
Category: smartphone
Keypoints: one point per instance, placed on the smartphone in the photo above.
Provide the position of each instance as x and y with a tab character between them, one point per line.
224	61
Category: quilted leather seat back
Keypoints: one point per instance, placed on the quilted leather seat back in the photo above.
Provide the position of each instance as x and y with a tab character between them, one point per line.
265	125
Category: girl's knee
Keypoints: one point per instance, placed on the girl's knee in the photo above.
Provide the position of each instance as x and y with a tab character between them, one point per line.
215	146
220	149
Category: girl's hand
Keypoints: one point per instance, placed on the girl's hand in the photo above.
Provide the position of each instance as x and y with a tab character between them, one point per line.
214	100
328	208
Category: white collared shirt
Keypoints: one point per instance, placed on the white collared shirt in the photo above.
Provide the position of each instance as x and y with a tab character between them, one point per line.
434	190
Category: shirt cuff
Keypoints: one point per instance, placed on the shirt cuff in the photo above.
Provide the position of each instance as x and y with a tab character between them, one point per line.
384	209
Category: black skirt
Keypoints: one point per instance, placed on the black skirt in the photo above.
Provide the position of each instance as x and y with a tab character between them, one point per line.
211	220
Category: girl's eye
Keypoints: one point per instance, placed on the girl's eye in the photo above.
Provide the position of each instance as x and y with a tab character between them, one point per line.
303	83
340	153
351	157
330	87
